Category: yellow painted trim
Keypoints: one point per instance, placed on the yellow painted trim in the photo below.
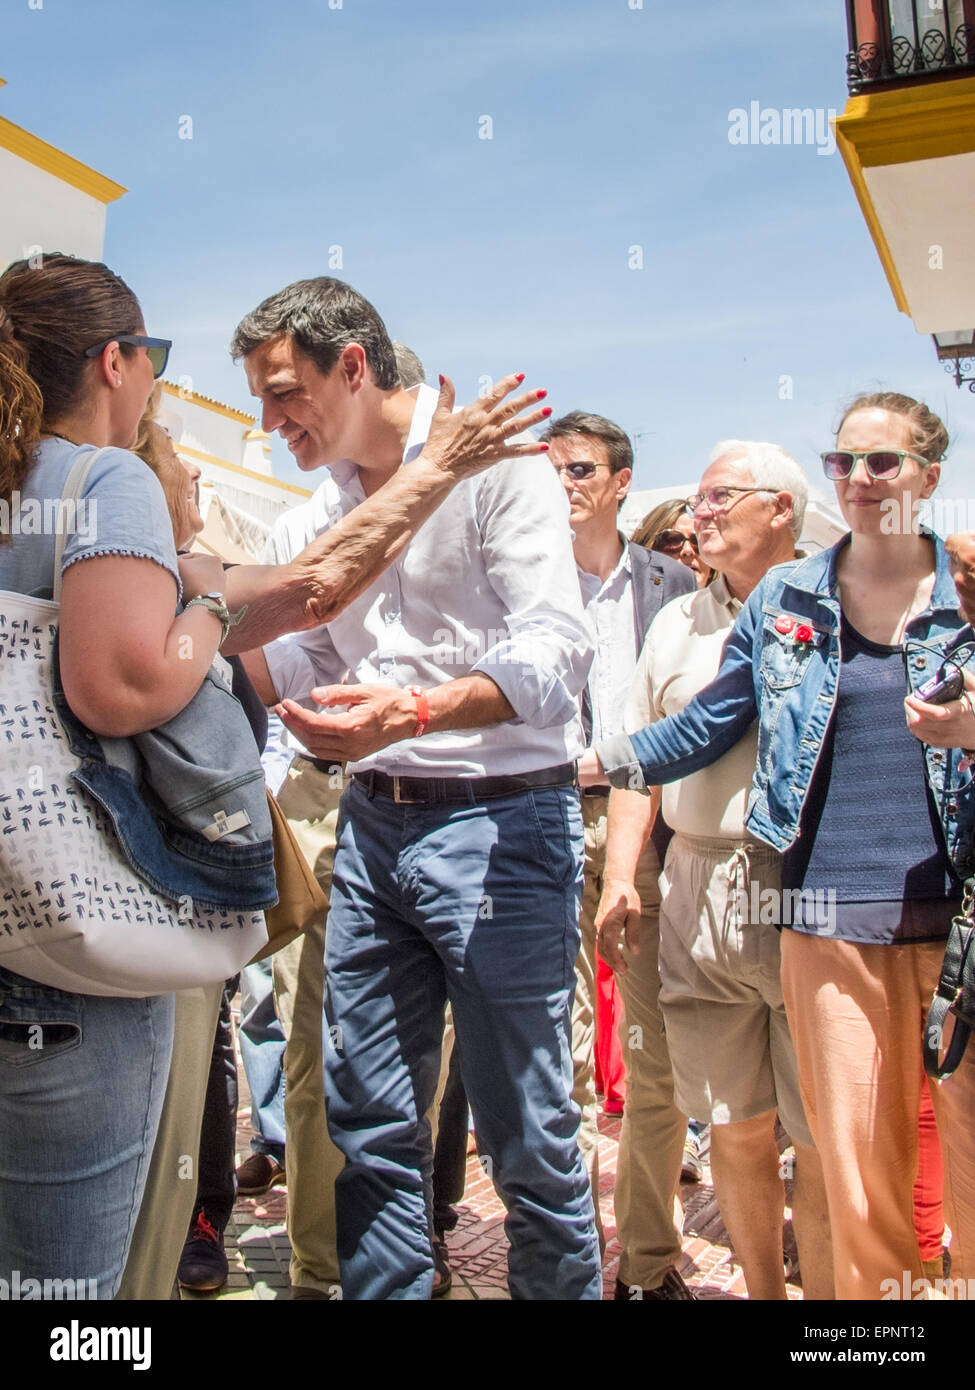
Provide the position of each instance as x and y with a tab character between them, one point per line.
208	403
245	472
930	121
54	161
926	121
855	170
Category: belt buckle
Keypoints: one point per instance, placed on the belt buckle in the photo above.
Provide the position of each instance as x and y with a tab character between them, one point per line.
403	800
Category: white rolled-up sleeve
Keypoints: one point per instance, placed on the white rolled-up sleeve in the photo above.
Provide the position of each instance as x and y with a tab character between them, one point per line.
542	664
301	661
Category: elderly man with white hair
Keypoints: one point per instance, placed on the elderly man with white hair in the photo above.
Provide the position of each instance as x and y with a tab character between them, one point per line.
719	993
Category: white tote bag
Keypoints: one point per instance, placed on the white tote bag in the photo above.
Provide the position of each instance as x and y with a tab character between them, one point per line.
73	913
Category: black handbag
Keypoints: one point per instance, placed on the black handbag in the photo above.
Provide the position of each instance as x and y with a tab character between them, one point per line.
955	993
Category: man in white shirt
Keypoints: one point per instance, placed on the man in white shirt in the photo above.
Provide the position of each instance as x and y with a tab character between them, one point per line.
458	868
623	586
733	1061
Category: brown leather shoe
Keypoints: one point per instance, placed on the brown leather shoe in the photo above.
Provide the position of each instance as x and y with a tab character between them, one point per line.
673	1289
259	1173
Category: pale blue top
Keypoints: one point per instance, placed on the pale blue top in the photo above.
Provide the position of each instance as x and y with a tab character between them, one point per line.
122	511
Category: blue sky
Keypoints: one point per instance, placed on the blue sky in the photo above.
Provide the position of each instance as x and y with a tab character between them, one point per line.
358	127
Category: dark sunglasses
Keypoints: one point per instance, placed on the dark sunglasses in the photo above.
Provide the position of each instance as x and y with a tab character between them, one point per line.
882	464
672	542
579	471
157	349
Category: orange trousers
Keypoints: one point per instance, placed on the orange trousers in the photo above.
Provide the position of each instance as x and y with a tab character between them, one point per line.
856	1013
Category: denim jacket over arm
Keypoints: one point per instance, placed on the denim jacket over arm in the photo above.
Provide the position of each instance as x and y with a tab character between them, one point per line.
187	799
790	685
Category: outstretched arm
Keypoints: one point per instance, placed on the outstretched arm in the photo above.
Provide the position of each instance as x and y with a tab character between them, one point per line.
338	565
705	729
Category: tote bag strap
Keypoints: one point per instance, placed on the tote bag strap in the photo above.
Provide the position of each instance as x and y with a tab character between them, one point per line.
956	971
73	485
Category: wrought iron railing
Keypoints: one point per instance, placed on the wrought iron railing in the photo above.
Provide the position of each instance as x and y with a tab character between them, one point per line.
906	41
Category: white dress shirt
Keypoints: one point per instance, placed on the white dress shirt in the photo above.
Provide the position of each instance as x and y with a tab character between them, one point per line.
612	615
487	584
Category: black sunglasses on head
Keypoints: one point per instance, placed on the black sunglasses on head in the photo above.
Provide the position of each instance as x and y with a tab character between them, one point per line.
157	349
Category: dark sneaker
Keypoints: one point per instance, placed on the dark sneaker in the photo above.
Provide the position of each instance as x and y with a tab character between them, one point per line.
673	1289
203	1263
259	1173
442	1277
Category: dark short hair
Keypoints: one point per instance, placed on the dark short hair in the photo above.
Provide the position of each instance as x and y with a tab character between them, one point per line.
322	316
617	442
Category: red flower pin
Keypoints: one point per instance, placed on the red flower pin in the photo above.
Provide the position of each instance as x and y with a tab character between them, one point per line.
804	633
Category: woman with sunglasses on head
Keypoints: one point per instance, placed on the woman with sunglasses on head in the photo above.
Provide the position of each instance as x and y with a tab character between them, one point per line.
875	827
668	529
78	1114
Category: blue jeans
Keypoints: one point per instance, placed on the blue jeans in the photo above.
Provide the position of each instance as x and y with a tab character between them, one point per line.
262	1044
82	1081
478	905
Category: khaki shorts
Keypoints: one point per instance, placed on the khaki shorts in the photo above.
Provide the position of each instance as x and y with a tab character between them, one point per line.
720	996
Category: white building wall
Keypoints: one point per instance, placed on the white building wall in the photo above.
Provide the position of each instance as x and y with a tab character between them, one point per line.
206	429
37	209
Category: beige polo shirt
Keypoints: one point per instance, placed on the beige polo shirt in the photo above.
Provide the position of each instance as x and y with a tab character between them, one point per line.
681	655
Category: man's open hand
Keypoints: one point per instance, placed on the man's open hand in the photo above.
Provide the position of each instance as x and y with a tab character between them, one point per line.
376	716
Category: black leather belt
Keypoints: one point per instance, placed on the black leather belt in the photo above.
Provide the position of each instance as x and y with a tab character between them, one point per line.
597	791
462	789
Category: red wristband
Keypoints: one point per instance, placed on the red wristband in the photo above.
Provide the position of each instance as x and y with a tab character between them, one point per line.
422	712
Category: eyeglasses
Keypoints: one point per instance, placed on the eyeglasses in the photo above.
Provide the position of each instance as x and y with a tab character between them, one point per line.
882	464
673	542
579	471
157	349
719	499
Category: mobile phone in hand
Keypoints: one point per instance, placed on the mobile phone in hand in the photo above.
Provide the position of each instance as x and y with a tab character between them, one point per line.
946	685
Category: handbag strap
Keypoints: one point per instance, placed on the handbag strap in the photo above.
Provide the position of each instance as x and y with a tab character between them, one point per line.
949	991
71	492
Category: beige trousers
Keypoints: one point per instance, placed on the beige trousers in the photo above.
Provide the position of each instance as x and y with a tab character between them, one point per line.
170	1195
584	1003
310	800
652	1137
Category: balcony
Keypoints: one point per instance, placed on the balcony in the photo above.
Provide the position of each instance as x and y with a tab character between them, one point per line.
905	42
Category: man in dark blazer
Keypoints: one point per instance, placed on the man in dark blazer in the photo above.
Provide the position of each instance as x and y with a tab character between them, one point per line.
623	586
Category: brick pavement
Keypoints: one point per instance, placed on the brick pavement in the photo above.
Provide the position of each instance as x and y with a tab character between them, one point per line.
258	1250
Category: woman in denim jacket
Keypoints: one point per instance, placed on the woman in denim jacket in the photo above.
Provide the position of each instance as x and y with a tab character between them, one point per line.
82	1076
875	827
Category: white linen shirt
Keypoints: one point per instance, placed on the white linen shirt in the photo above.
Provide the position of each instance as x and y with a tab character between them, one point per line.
487	584
612	615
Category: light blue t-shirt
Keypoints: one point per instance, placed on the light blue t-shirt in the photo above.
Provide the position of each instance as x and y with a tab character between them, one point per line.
122	511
